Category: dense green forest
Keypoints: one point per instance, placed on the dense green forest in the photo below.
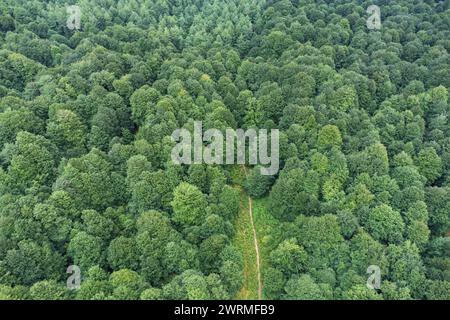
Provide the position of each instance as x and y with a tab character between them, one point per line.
86	177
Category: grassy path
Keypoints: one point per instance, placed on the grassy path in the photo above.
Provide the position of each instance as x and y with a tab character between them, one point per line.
255	240
256	234
268	230
247	241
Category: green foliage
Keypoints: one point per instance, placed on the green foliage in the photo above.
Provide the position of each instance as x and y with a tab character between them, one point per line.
406	268
295	192
329	136
123	254
32	161
86	175
289	257
430	164
385	224
188	205
256	184
274	282
151	294
89	180
86	250
7	23
361	292
305	288
67	131
126	284
154	190
14	121
439	207
31	262
48	290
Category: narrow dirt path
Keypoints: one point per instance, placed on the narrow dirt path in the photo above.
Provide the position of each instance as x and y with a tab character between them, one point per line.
255	239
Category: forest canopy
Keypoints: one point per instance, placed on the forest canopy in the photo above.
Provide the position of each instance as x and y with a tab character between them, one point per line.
86	177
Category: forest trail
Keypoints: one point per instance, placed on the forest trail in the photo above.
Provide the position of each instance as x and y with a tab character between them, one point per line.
255	239
250	248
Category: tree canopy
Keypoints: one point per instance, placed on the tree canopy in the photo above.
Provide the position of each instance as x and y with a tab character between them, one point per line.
86	123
